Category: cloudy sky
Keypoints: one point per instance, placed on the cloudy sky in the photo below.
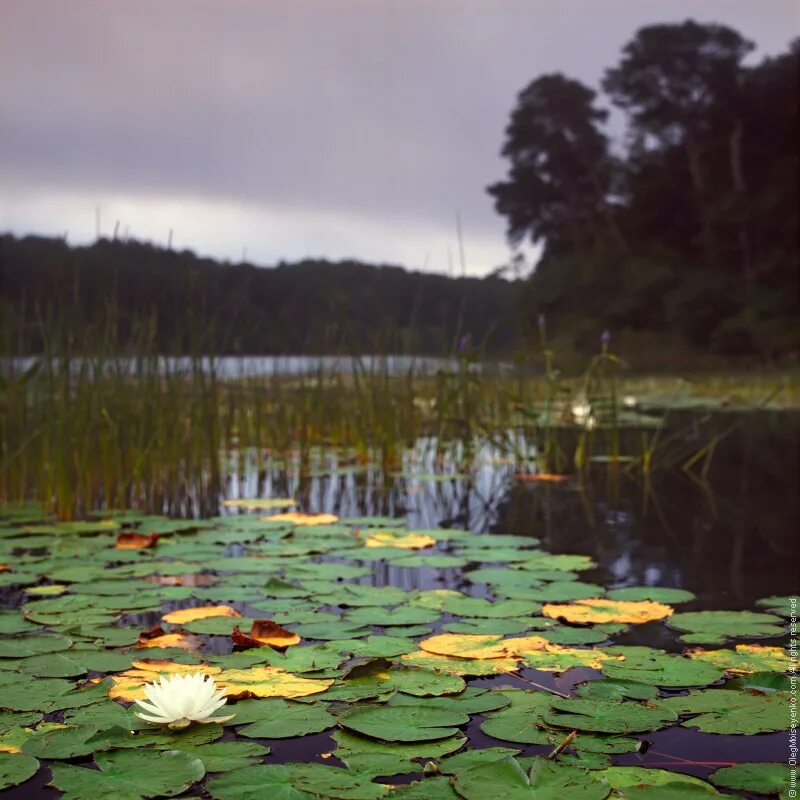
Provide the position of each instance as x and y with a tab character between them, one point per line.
332	128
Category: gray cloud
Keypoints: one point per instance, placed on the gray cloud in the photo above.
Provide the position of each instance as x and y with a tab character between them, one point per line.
386	113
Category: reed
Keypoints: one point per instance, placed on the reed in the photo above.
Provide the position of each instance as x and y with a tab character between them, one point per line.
93	422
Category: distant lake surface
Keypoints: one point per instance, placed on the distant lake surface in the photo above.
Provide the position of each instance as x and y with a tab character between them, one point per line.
257	365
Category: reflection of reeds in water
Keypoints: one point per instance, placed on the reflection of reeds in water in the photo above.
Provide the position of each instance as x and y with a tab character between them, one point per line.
125	427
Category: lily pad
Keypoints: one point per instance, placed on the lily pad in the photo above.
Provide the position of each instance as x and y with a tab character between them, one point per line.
608	716
761	778
16	768
404	723
732	712
712	627
281	720
130	775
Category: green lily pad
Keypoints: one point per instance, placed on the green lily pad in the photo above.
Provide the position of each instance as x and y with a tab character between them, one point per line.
712	627
658	594
404	723
636	782
760	778
504	778
616	690
80	740
321	780
281	719
553	781
16	768
607	716
226	756
33	645
350	744
644	665
732	712
129	775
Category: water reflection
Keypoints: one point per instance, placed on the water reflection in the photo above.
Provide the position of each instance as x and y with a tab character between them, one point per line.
728	537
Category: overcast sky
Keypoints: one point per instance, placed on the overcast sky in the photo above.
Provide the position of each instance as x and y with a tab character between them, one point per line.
299	128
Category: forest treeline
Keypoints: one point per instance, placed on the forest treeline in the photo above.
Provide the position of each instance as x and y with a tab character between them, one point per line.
680	237
183	303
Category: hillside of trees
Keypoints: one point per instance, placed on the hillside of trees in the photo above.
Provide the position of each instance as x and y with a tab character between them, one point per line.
683	237
189	303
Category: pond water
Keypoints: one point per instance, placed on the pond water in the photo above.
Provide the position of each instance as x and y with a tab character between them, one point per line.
729	538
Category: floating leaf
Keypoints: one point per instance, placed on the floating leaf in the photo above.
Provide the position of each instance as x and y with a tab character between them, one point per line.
16	769
746	658
461	666
659	594
130	774
404	723
716	626
404	541
607	716
734	712
298	518
646	665
350	744
552	781
33	645
324	781
463	645
224	756
183	641
616	690
268	682
70	741
600	610
203	612
759	778
136	541
504	777
265	632
273	781
280	720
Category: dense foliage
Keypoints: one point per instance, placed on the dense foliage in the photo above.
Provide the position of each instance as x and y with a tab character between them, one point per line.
190	303
687	238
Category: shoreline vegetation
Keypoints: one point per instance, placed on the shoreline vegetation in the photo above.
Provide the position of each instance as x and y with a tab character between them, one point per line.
129	429
135	294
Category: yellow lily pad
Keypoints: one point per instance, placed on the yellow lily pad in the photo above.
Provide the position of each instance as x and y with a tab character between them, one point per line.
409	541
746	658
204	612
268	682
465	645
598	609
298	518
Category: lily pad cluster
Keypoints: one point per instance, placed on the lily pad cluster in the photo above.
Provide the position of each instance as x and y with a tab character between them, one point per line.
516	685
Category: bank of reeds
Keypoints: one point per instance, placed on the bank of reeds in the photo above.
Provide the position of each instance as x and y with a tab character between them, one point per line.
89	423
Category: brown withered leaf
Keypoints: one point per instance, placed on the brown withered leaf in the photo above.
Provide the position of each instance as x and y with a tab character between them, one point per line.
265	631
136	541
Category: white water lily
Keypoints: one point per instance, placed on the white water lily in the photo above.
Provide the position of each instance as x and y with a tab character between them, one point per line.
179	700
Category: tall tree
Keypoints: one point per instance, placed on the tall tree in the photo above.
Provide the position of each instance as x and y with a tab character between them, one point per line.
680	85
560	173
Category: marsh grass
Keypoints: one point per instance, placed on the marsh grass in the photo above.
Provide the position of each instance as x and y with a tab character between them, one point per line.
91	423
